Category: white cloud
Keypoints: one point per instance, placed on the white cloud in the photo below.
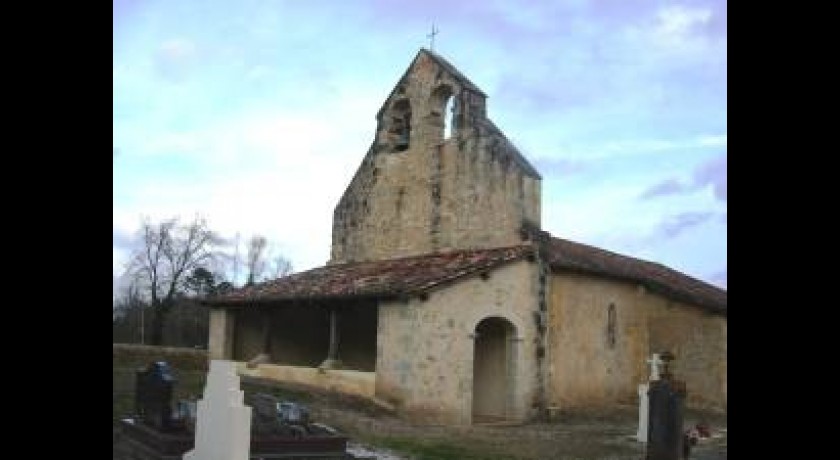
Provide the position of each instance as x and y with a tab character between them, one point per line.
269	172
175	58
677	35
591	214
267	130
629	147
259	73
713	140
676	25
177	49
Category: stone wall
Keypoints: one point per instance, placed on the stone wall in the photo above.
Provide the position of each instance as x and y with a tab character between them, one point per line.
596	360
220	337
698	339
343	381
133	354
425	347
472	190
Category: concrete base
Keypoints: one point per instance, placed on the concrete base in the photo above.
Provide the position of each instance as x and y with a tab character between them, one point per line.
261	358
341	381
331	364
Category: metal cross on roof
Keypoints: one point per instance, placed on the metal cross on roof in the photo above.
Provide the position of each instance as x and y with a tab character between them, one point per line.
431	37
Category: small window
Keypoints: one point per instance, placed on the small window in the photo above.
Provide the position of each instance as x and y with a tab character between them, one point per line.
449	117
611	326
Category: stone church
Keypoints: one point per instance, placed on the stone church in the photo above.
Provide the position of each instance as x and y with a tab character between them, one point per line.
446	300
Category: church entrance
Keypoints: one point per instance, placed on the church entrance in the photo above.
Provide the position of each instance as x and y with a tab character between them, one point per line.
493	370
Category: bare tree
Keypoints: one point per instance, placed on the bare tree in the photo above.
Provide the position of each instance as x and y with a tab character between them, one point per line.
129	309
280	266
264	261
168	254
256	260
236	259
261	261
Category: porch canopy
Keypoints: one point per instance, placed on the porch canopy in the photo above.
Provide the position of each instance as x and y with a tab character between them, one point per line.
303	309
330	311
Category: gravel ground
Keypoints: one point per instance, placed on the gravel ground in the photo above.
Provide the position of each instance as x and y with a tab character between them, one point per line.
362	451
576	437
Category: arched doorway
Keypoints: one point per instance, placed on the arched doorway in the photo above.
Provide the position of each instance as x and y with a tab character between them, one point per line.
493	369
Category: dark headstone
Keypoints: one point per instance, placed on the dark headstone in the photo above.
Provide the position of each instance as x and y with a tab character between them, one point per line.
294	413
264	417
186	412
665	423
153	395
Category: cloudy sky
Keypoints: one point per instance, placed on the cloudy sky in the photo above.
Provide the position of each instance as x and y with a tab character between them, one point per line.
255	114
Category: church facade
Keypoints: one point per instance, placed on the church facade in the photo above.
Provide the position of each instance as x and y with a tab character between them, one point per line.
444	298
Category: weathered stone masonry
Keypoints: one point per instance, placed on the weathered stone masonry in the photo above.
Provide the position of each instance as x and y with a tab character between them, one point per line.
417	192
445	298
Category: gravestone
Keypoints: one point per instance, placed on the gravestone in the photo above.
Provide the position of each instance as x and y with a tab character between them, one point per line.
218	427
655	361
293	413
153	395
642	432
223	424
665	427
186	413
296	417
264	416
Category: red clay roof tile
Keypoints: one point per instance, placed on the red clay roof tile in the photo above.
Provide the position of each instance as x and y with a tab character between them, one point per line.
382	278
394	278
569	255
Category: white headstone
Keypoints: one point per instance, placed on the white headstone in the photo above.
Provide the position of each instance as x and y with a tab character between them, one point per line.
644	408
223	424
655	362
642	432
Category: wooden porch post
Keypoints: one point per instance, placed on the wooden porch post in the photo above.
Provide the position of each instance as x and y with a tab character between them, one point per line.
332	361
265	355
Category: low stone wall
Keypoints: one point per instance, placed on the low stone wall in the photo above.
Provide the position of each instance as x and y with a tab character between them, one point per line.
188	366
342	381
131	355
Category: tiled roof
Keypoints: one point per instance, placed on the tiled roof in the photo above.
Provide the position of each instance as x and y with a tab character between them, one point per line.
395	278
377	279
569	255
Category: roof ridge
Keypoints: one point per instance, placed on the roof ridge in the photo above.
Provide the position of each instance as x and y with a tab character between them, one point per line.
653	275
428	255
453	70
398	274
470	269
597	248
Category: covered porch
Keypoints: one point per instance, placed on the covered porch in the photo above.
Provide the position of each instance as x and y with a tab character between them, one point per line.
351	328
326	344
